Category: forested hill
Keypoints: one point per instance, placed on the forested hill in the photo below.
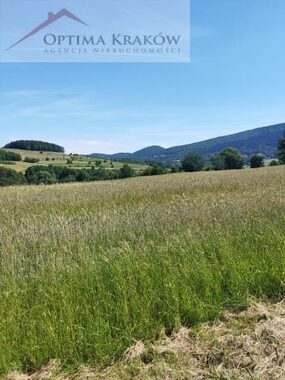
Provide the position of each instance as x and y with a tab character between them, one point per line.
34	146
260	140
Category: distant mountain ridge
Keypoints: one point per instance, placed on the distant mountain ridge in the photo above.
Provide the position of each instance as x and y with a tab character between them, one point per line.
259	140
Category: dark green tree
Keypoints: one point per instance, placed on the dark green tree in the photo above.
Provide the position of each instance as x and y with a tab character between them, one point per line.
218	162
82	176
192	162
154	169
228	159
10	177
281	150
126	171
256	161
46	178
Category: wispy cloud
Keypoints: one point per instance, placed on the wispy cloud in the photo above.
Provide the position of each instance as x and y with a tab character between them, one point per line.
86	123
20	95
45	104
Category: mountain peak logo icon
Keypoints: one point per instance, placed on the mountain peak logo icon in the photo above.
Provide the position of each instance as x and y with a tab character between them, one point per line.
50	20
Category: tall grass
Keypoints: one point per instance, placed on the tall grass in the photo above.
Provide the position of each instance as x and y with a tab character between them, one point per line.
86	269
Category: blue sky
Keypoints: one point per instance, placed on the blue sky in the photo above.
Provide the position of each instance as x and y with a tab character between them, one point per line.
235	81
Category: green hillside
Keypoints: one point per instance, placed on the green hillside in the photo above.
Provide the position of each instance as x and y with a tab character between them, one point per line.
260	140
61	159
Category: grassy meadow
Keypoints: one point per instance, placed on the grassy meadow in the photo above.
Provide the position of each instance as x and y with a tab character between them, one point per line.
88	269
61	159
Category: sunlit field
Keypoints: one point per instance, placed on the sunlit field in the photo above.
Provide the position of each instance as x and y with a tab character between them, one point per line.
61	159
88	269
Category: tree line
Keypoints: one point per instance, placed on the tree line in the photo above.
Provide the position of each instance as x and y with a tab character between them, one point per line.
228	159
52	174
35	145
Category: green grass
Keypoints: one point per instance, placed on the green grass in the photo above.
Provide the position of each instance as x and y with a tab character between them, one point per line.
87	269
60	159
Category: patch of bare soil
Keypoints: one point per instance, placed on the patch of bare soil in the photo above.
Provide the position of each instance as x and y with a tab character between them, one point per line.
245	345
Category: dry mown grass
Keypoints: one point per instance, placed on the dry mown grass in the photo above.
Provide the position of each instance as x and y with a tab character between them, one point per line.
242	346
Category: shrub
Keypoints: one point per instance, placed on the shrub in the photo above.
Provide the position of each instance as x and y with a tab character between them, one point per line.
155	169
274	163
82	176
34	174
10	177
126	171
46	178
31	160
9	156
256	161
174	168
